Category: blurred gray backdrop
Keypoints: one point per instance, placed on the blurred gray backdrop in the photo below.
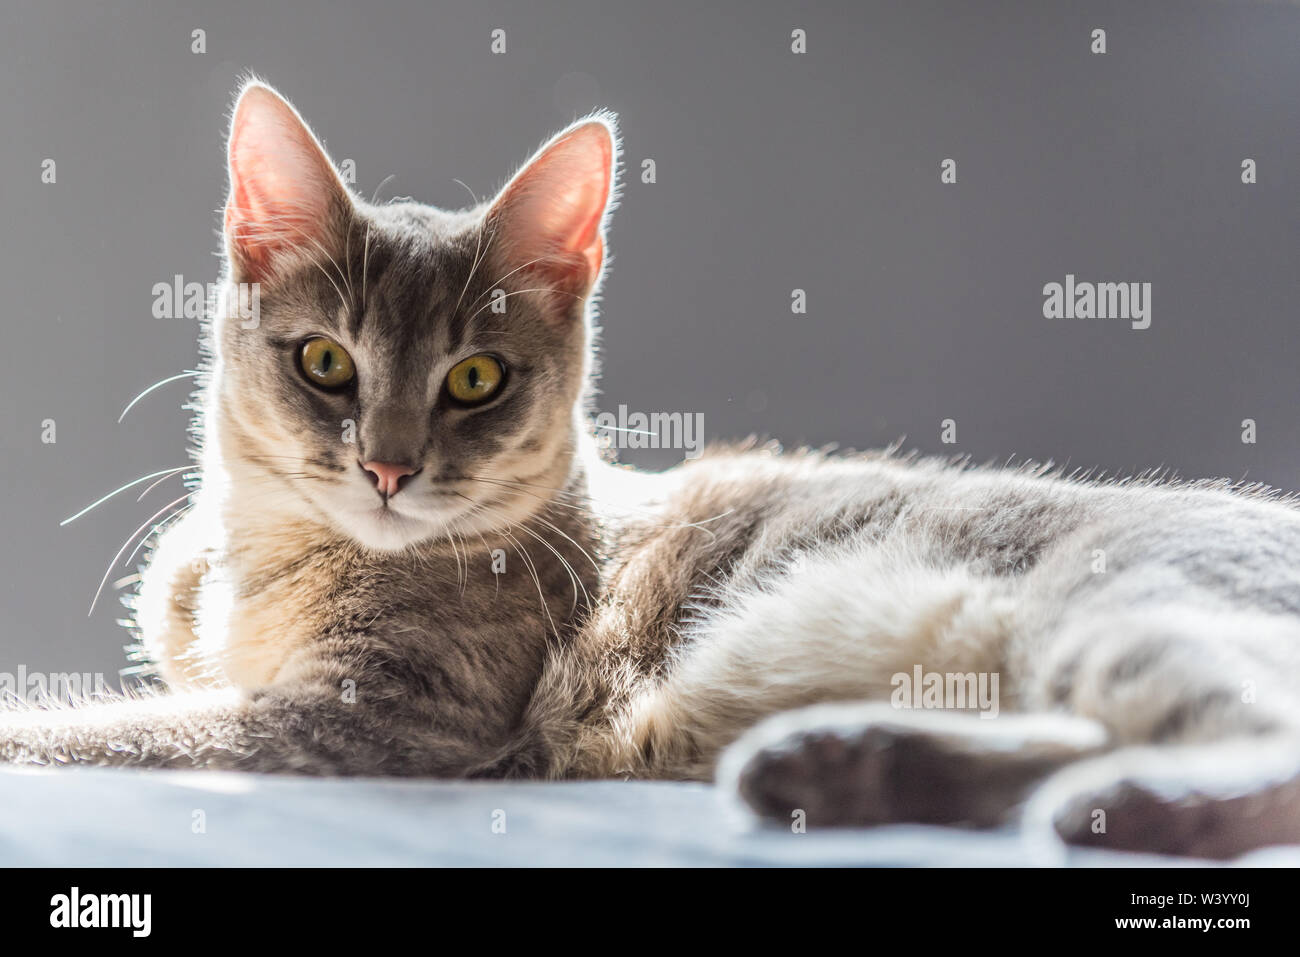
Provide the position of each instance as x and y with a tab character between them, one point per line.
775	171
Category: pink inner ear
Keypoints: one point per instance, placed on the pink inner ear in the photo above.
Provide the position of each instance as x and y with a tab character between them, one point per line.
282	186
552	211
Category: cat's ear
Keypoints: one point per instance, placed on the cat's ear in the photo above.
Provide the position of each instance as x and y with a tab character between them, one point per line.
286	199
549	220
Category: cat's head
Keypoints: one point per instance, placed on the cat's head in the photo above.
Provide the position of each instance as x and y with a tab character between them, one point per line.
400	372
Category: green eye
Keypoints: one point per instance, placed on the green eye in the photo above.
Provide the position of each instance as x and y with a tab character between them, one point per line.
326	363
475	380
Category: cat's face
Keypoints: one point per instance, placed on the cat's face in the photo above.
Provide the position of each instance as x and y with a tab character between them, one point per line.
410	373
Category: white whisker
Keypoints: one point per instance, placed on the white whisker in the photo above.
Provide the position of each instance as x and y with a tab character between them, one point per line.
187	374
118	491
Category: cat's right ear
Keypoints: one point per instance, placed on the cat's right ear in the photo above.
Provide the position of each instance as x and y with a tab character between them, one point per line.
286	199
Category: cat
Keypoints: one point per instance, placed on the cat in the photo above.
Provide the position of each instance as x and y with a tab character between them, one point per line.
406	554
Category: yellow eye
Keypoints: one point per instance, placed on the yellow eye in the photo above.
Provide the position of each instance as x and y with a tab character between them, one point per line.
326	363
475	380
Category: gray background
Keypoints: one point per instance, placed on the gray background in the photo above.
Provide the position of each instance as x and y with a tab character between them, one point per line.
775	171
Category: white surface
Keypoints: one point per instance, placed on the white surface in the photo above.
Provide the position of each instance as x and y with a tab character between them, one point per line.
97	817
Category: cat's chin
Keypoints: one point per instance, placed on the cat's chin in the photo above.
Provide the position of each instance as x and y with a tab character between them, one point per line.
388	530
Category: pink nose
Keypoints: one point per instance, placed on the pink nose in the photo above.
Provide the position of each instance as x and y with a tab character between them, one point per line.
388	478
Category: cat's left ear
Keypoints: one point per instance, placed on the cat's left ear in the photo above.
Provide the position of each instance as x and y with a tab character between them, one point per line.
549	220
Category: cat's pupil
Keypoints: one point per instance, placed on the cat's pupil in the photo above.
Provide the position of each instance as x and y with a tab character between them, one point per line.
473	377
326	361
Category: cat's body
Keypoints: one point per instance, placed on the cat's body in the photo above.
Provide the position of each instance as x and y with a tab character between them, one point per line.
515	606
765	583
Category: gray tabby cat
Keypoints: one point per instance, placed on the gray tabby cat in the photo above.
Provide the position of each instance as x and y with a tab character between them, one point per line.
408	413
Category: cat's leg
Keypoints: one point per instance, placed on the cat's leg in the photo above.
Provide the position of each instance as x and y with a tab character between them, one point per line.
840	627
310	728
1209	725
1168	675
1208	760
869	764
166	604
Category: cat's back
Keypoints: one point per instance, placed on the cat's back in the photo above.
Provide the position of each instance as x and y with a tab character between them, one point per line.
739	509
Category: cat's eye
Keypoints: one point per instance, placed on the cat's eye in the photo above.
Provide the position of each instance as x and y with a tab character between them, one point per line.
325	363
475	380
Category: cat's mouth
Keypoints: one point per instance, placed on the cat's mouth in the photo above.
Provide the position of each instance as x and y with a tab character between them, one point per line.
414	515
394	526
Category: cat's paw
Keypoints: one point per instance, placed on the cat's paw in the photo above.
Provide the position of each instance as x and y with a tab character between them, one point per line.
1132	816
872	764
1199	804
832	776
